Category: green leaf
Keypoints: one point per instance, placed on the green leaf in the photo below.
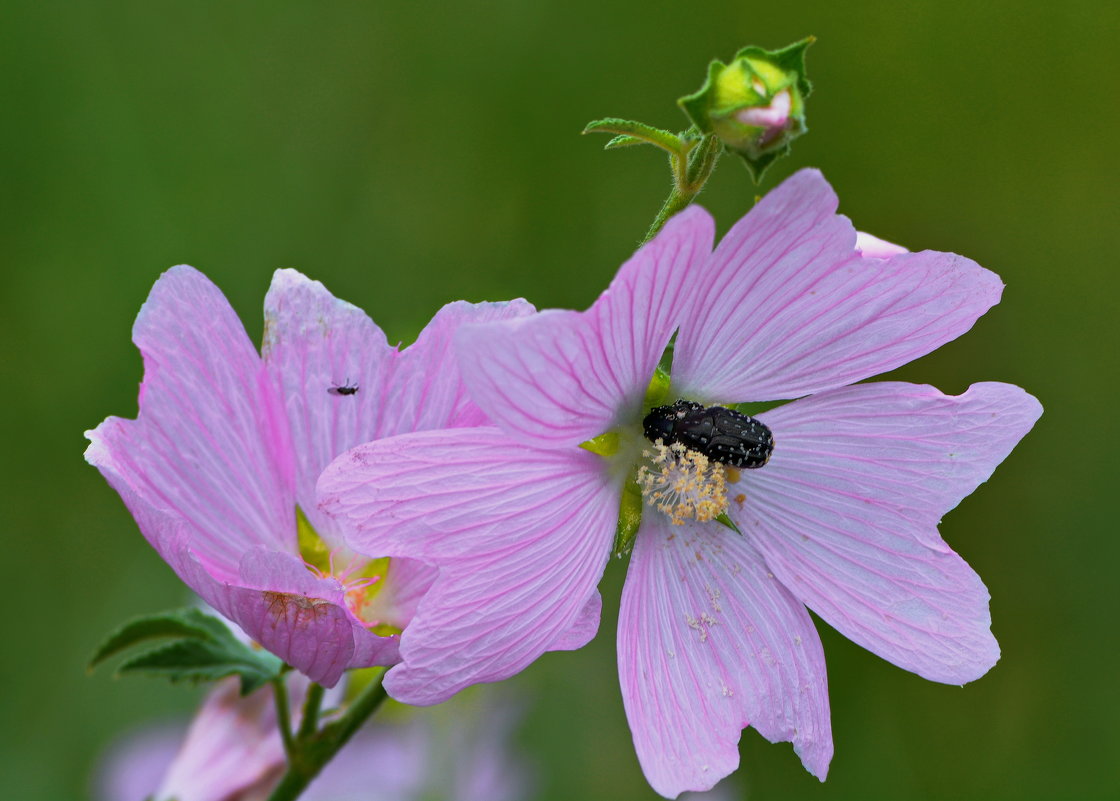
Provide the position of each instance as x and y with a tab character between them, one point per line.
202	648
658	137
623	140
196	660
175	623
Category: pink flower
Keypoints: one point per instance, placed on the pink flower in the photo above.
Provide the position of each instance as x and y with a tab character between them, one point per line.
232	752
228	444
713	633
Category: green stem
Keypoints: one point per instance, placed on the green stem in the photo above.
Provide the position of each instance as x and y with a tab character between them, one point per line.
688	179
310	720
283	715
315	751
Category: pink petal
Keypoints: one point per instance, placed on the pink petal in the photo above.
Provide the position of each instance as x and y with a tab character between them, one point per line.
232	748
427	390
521	536
316	344
791	308
872	247
278	603
313	344
585	627
210	444
709	643
846	515
562	377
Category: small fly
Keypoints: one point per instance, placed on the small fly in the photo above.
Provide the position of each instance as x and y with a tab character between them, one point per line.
345	388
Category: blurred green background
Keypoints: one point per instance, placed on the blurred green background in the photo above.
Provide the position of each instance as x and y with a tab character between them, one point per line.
411	154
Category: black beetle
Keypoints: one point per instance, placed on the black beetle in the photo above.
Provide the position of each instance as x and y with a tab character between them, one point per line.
723	435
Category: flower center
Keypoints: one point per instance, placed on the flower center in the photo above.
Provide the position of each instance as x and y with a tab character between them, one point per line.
362	579
683	484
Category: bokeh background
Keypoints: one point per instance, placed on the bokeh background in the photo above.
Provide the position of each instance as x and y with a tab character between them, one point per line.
408	154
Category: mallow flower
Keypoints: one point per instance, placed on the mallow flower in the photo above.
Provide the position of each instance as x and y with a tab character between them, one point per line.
839	513
219	468
232	751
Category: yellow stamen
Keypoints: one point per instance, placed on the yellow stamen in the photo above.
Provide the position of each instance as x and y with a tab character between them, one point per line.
683	484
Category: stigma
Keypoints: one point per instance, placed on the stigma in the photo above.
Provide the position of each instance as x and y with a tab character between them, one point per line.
683	484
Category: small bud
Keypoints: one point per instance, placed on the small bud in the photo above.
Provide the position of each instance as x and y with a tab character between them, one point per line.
755	105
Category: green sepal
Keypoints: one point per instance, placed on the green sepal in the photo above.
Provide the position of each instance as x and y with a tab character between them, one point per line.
657	392
658	137
723	519
629	518
695	105
790	58
202	648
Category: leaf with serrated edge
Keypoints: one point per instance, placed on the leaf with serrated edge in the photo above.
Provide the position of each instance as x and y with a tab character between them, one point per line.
176	623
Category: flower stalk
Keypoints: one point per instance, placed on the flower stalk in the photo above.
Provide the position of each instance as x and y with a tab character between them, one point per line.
691	171
311	750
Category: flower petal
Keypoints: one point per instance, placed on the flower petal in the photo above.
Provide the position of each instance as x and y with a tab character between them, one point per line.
278	603
846	515
206	400
791	307
562	377
521	536
872	247
427	390
709	643
232	748
314	344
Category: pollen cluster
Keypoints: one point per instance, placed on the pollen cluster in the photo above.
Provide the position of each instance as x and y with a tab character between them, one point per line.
683	484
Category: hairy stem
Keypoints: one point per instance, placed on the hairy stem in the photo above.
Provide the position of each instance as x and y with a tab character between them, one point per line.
689	177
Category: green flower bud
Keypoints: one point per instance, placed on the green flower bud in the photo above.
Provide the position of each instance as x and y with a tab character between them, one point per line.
755	105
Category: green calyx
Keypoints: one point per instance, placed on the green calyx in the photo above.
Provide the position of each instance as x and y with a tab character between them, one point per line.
610	444
755	105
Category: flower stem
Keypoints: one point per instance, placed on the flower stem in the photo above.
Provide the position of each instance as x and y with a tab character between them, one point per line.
283	715
689	176
313	751
310	720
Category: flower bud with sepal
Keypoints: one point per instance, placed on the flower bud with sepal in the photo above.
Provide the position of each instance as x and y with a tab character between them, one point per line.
755	105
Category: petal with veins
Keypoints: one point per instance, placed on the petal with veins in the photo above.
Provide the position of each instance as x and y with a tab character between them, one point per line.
789	306
562	377
710	642
846	515
520	535
207	400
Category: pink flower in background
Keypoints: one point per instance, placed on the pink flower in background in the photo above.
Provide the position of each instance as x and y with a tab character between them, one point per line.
228	444
713	633
232	752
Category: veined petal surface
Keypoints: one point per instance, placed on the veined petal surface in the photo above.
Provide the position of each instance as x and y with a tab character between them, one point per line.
313	345
710	642
520	535
207	399
846	515
788	306
562	377
427	390
343	384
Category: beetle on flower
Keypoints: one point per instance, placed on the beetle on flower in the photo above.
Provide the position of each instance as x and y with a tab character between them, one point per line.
713	632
